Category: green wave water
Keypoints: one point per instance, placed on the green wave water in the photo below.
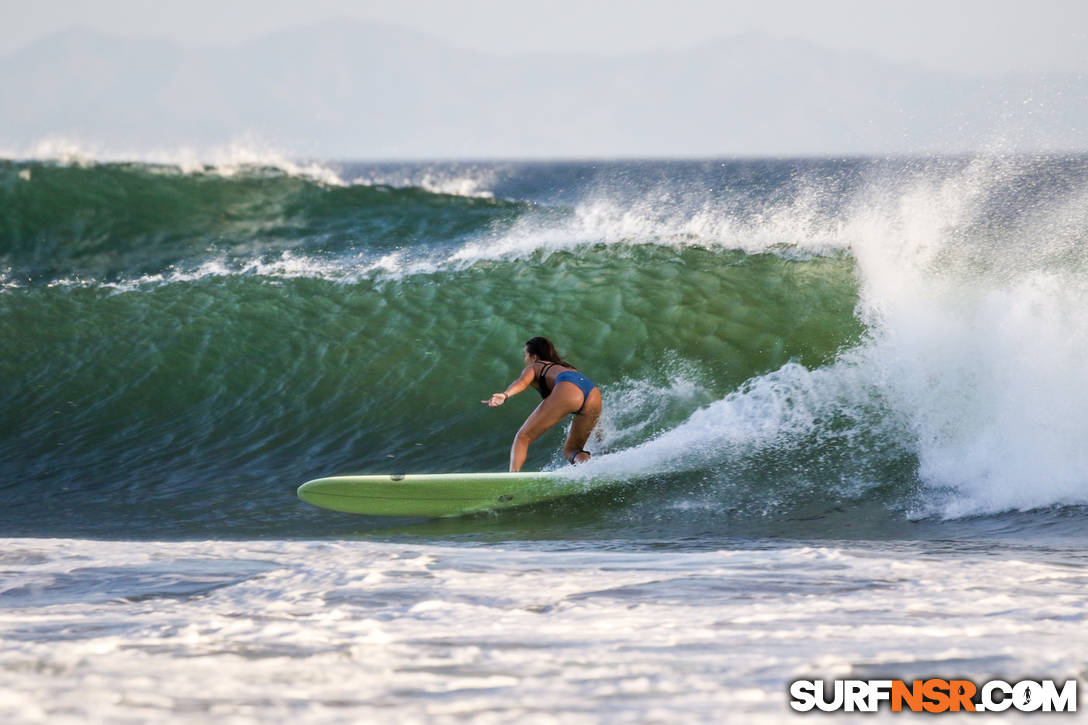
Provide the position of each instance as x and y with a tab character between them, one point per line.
184	348
190	383
113	221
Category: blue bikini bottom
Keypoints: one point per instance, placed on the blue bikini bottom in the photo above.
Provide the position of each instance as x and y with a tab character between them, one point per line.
584	384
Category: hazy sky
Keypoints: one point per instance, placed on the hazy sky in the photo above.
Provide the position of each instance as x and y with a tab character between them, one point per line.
964	35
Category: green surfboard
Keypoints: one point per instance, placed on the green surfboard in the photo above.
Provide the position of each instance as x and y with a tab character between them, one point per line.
436	494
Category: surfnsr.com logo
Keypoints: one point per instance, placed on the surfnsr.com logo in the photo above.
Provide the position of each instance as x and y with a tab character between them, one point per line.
933	695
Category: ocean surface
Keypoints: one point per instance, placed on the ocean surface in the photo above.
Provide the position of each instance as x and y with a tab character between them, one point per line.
844	434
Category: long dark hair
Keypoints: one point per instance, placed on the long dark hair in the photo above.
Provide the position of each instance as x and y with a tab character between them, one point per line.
543	349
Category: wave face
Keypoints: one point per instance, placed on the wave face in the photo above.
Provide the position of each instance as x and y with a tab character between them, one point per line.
784	347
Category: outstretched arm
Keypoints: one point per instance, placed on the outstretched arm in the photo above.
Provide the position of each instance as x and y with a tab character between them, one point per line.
523	381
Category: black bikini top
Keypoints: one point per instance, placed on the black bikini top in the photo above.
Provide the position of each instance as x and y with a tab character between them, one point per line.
545	391
542	384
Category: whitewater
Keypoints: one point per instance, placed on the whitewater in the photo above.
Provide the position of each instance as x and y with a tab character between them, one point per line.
842	433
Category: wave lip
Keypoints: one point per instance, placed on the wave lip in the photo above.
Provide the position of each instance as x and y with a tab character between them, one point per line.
116	222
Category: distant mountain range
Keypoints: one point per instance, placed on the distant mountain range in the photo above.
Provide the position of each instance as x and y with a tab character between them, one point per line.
360	90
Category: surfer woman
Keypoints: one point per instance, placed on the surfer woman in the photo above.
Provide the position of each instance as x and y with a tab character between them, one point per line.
564	390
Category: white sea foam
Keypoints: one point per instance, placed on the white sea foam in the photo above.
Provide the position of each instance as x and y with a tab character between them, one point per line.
974	358
793	230
471	181
246	153
6	281
793	233
635	409
980	342
772	410
227	160
355	631
346	269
